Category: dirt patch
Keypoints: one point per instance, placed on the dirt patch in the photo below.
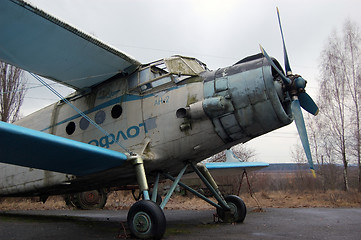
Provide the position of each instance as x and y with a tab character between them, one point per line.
269	199
331	199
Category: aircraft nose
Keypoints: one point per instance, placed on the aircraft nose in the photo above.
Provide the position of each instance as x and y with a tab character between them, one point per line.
245	100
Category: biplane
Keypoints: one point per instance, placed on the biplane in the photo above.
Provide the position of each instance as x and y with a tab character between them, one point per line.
132	123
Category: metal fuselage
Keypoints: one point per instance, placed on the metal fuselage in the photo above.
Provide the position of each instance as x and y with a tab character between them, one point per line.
167	118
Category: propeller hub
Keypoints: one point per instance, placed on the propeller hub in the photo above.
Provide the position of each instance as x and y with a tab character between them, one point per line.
300	83
296	86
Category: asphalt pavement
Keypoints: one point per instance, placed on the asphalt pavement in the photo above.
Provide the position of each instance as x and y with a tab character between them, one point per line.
273	223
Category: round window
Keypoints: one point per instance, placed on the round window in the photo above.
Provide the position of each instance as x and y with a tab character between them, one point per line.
116	111
70	128
83	124
100	117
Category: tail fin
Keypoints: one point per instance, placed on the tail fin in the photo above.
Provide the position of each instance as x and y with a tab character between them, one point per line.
231	157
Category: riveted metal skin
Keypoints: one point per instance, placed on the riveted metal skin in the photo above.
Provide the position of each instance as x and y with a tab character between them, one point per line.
166	118
243	102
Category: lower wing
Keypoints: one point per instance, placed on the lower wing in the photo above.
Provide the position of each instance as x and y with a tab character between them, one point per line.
29	148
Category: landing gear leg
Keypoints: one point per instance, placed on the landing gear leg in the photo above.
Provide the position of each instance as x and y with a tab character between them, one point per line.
229	208
232	209
141	177
145	218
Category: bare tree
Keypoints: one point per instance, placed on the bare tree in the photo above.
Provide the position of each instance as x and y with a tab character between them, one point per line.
323	150
12	92
244	153
321	141
333	92
340	95
352	66
218	157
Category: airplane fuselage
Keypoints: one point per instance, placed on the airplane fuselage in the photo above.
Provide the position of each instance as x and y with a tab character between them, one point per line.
158	120
167	118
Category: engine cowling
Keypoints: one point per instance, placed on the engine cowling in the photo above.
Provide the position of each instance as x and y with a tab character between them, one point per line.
246	100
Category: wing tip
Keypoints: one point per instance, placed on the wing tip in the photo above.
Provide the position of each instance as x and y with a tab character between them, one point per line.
313	173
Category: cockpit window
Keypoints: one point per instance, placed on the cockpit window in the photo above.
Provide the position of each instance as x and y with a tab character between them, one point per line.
165	71
184	66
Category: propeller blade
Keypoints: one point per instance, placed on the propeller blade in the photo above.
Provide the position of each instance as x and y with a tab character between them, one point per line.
287	63
284	78
307	103
301	128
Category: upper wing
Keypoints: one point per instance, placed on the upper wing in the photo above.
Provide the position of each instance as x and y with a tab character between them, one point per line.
37	42
29	148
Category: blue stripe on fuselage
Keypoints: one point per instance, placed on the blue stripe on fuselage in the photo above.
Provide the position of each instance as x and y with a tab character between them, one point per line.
123	98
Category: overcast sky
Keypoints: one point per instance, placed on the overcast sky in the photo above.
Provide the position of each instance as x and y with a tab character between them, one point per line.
218	33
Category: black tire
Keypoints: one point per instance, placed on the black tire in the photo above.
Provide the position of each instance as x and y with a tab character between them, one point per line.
238	209
146	220
95	199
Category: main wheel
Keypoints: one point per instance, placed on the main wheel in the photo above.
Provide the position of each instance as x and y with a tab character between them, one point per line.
89	200
95	199
146	220
238	210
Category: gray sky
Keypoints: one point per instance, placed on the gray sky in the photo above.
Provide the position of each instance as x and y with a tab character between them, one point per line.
218	33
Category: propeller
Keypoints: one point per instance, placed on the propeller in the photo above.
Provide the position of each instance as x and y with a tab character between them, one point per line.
295	86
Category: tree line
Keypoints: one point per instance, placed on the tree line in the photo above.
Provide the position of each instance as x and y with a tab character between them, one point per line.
12	92
335	133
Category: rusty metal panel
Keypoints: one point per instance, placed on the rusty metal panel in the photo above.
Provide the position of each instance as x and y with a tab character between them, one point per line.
245	116
248	119
230	124
208	89
220	130
247	88
283	112
221	84
238	90
266	116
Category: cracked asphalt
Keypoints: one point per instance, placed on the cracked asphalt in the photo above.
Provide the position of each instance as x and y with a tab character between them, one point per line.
273	223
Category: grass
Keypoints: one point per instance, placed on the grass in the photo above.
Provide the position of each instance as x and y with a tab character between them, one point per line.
267	199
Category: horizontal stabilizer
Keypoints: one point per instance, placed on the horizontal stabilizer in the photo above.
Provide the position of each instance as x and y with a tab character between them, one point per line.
40	43
233	168
29	148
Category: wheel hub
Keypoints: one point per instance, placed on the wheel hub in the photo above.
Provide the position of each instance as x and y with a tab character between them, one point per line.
142	222
233	208
91	197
